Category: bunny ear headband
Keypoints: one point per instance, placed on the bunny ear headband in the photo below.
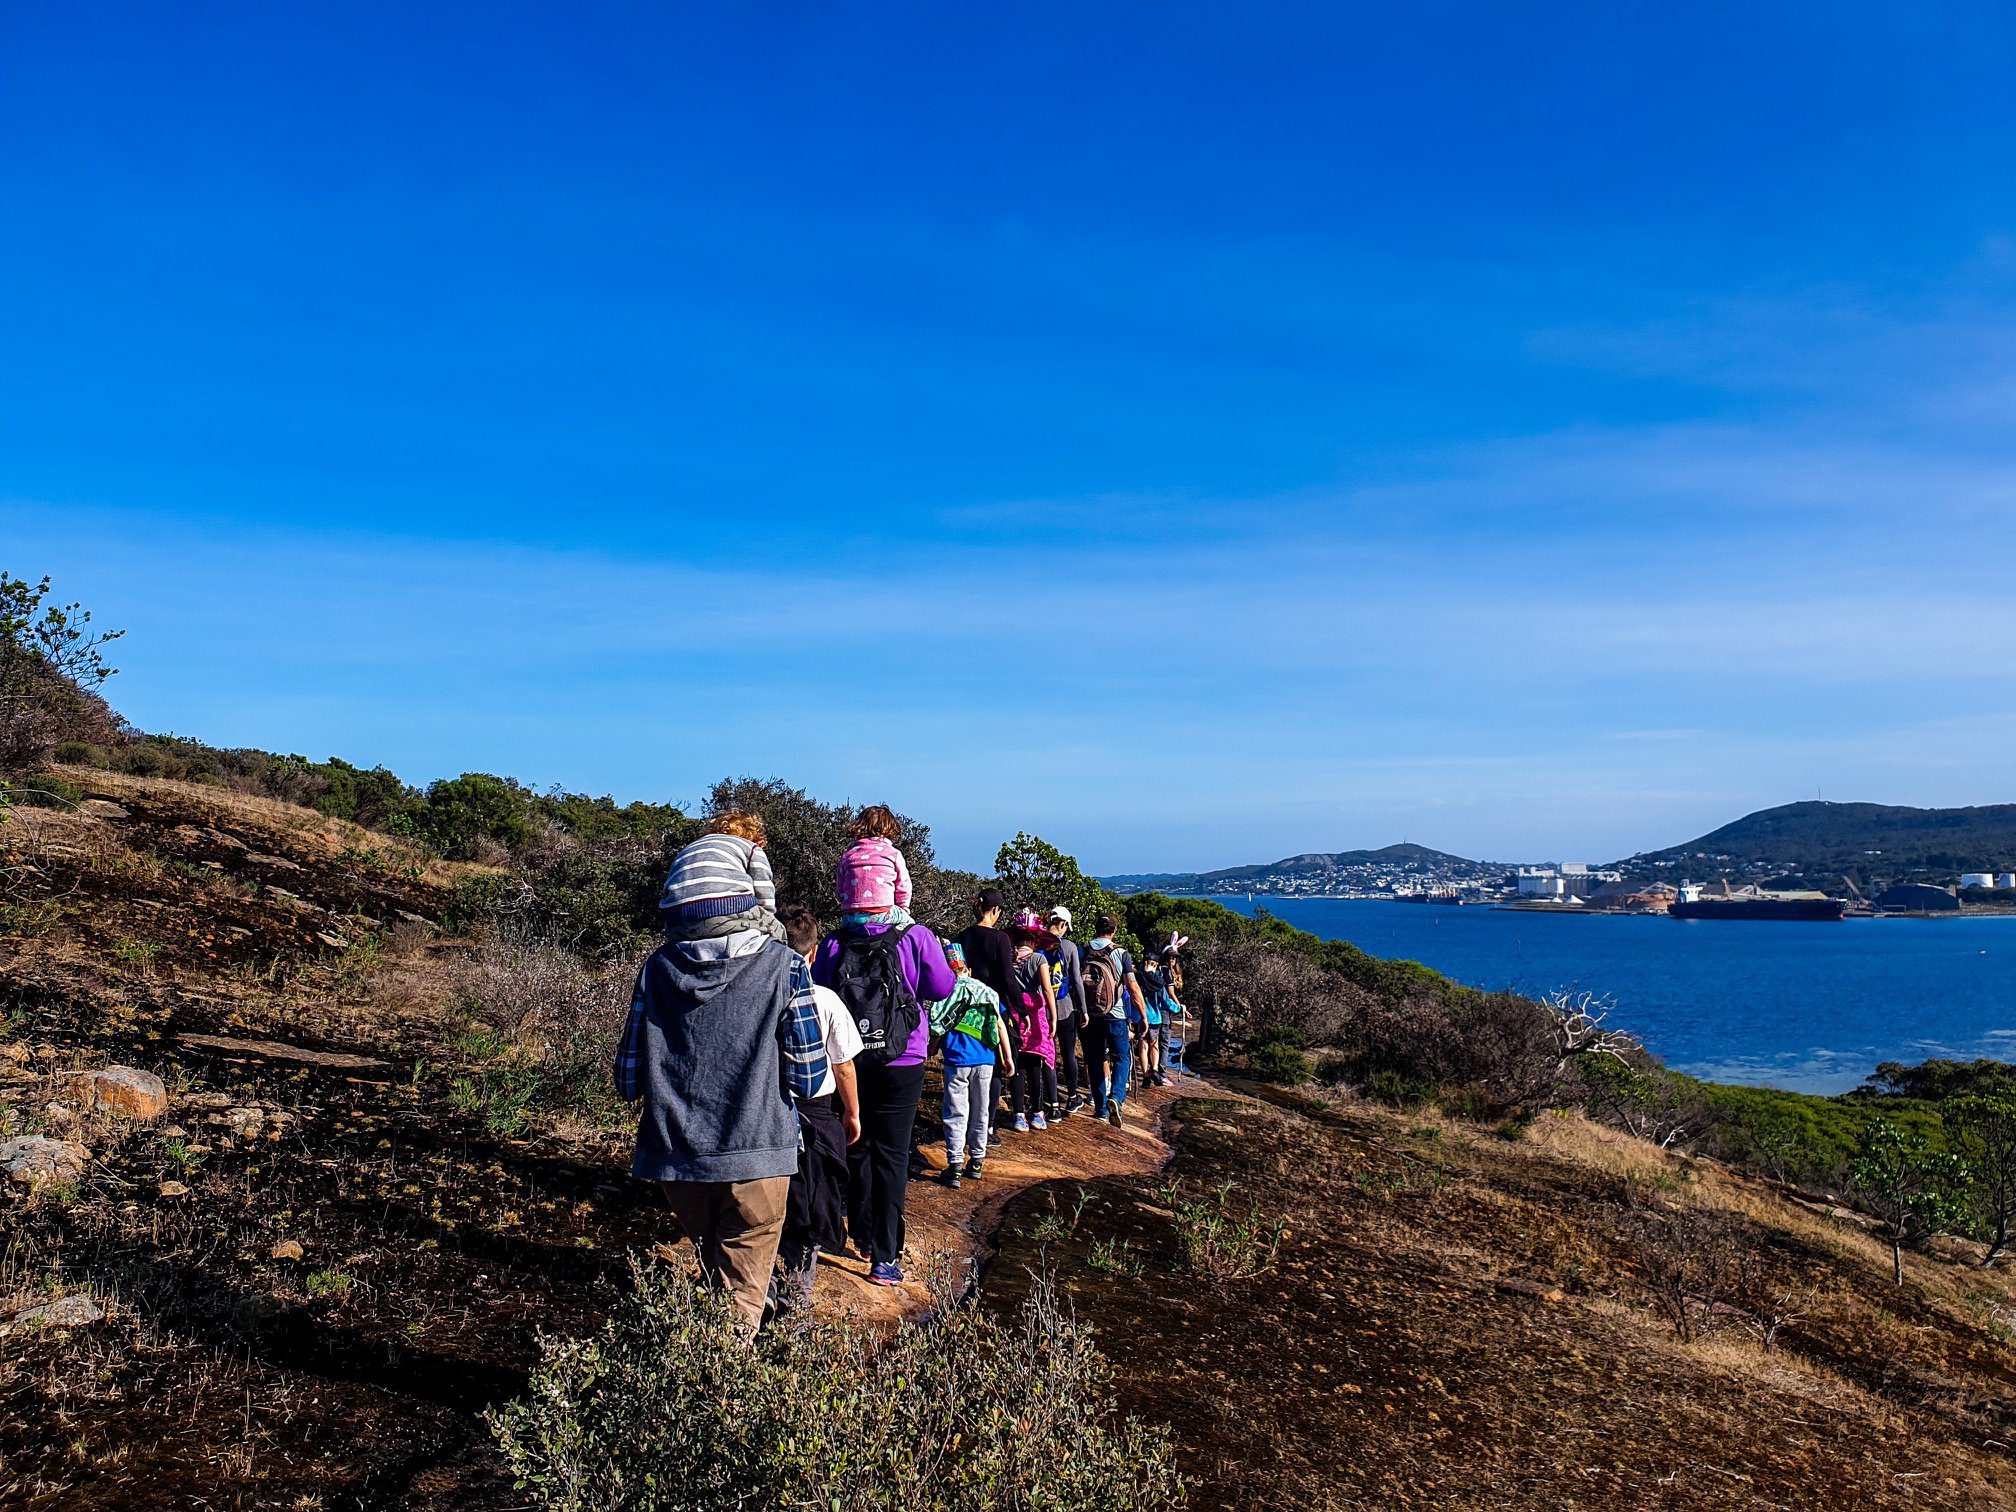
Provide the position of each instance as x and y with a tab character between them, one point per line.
1176	942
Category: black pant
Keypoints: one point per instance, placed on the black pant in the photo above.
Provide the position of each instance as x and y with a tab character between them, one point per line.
1035	1086
1067	1057
878	1163
1092	1047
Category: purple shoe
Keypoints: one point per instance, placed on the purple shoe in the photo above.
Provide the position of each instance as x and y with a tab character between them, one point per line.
886	1273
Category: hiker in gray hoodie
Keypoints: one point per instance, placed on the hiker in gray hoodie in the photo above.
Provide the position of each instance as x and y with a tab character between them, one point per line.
723	1033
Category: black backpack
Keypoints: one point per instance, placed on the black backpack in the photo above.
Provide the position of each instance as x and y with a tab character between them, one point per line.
869	978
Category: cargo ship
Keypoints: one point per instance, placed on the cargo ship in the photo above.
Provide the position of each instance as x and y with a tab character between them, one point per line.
1752	904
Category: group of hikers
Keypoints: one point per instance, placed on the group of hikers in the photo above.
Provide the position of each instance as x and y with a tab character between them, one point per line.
779	1069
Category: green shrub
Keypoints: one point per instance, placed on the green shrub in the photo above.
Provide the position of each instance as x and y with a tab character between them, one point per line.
1219	1243
462	813
668	1408
1276	1056
78	753
474	900
1397	1089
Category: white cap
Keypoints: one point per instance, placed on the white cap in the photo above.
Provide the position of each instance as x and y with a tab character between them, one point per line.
1061	912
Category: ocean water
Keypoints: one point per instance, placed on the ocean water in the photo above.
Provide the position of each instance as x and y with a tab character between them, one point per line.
1810	1007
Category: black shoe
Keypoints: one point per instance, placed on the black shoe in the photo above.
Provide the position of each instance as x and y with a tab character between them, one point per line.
975	1168
950	1177
1113	1115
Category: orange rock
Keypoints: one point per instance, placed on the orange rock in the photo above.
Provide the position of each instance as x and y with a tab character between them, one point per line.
122	1089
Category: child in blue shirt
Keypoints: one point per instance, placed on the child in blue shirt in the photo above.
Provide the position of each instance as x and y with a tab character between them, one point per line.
976	1039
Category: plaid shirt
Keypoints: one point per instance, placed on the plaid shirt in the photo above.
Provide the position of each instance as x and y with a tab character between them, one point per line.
805	1064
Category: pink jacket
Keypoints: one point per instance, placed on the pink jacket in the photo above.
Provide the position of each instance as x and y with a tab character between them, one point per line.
872	877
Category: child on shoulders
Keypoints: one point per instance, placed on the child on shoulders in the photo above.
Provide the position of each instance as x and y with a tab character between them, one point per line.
873	881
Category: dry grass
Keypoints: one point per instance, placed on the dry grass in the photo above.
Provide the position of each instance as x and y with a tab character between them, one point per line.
1598	1147
290	826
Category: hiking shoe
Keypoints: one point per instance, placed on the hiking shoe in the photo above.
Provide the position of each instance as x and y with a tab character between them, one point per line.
1077	1104
886	1273
950	1177
1039	1122
1022	1124
975	1168
1113	1115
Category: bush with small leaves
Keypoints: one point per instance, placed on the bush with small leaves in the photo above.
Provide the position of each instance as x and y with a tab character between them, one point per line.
668	1408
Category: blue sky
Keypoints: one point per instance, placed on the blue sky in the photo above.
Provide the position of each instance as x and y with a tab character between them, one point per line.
1196	434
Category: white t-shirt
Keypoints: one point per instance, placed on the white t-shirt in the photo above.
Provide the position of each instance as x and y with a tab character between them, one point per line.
837	1028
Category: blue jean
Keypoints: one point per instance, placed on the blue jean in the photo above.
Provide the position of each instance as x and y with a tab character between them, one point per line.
1119	1051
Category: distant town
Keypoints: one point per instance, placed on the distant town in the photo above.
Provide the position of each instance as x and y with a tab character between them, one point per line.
1807	860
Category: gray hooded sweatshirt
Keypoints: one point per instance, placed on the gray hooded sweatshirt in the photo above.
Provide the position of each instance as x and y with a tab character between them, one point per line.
712	1054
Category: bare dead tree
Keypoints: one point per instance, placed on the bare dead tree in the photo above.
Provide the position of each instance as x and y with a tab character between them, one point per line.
1579	1028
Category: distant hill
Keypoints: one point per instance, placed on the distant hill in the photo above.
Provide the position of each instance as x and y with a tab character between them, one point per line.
1404	857
1861	839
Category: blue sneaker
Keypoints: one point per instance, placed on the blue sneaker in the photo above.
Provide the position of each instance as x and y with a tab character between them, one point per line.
886	1273
1022	1124
1039	1122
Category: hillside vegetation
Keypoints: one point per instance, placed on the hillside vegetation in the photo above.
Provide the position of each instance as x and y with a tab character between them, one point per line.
316	1197
376	1188
1868	841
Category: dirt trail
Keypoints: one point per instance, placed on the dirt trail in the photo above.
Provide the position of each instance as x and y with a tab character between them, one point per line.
963	1224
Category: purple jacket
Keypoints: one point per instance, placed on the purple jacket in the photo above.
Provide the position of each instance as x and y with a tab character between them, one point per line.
926	972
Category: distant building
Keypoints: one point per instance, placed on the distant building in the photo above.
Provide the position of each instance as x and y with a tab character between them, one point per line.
1977	879
1567	879
1917	897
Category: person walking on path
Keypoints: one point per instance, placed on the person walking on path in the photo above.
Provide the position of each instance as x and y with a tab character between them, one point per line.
991	955
1067	974
1160	1011
976	1042
815	1210
723	1033
885	974
1155	1012
1032	1016
1111	989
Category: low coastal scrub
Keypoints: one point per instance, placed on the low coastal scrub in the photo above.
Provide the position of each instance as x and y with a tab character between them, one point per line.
571	904
668	1408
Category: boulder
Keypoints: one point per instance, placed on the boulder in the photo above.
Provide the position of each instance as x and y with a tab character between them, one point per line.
286	1249
73	1311
102	808
32	1160
125	1090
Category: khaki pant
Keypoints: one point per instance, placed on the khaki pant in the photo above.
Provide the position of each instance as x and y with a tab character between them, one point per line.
735	1226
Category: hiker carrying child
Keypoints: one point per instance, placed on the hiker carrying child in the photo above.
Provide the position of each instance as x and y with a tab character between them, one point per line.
723	1034
885	971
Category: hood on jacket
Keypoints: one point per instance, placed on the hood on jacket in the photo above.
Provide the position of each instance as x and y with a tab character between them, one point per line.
703	968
